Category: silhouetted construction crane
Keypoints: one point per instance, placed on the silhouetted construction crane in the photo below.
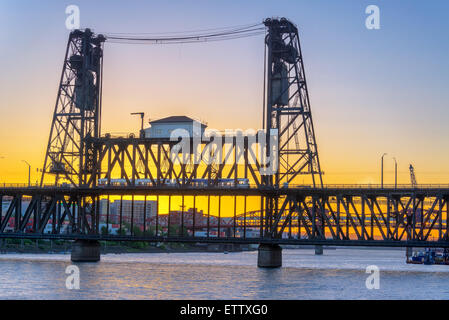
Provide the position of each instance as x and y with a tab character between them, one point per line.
413	177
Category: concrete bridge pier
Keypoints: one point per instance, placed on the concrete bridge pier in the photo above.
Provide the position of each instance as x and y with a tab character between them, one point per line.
85	251
269	256
318	250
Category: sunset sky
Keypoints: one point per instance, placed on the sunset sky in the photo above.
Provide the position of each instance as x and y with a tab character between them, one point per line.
372	91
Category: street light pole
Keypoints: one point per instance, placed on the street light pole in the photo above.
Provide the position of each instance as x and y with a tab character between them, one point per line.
382	171
2	157
29	173
395	173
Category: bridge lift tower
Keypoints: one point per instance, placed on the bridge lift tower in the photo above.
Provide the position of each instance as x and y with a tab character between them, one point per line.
288	105
78	110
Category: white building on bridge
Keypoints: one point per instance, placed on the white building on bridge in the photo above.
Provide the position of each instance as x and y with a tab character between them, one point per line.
163	128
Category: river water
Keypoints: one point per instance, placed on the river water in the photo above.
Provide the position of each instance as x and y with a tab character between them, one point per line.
338	274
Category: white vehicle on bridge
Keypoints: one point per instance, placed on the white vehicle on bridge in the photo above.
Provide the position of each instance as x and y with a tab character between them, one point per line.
196	183
102	182
113	182
144	182
170	182
231	183
199	183
243	183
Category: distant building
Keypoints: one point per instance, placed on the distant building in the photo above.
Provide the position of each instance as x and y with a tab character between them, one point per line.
163	128
129	210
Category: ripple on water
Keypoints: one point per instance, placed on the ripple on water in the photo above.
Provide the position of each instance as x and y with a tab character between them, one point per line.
338	274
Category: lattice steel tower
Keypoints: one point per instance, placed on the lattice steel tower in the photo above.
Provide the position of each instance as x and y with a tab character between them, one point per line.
287	104
77	111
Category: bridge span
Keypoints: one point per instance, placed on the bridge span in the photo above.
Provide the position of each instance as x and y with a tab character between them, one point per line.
268	216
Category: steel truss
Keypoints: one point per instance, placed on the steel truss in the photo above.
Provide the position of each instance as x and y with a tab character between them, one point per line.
132	159
363	217
45	208
339	217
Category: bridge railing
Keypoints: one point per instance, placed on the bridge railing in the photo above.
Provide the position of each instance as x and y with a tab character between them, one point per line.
26	185
386	186
249	186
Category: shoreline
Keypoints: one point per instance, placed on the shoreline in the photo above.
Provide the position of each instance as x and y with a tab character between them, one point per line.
66	247
167	248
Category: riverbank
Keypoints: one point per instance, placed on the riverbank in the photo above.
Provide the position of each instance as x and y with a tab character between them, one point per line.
59	246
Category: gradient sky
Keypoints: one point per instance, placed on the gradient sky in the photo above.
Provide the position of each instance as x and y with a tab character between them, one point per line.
372	91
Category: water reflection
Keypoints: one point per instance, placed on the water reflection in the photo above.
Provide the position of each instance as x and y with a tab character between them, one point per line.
338	274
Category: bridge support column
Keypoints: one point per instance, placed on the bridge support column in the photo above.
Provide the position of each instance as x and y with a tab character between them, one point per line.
85	251
269	256
318	250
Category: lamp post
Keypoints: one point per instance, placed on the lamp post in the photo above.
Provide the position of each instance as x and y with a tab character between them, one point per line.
29	172
2	157
382	171
395	173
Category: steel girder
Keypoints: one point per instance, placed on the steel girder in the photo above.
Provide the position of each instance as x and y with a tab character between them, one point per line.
362	217
296	216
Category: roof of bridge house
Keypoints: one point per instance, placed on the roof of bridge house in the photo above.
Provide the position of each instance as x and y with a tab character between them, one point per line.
177	119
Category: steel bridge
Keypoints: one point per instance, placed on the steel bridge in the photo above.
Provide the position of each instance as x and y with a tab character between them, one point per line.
269	209
334	216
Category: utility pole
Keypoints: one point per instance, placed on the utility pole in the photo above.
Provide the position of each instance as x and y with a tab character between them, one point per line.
1	157
142	115
382	171
395	173
29	173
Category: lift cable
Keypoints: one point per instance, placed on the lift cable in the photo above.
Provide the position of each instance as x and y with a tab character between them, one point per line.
202	40
183	33
236	33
